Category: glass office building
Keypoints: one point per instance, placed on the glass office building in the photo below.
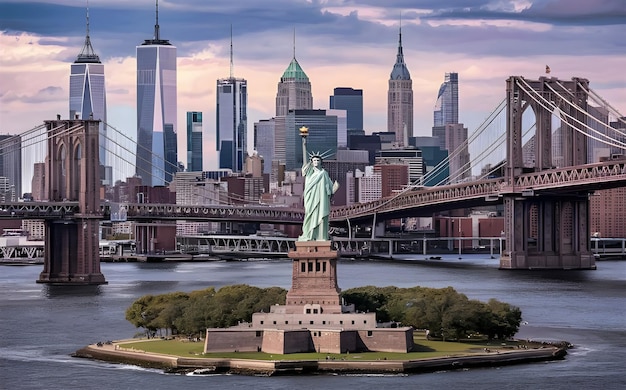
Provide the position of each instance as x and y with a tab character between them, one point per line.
156	111
194	141
87	92
351	100
447	105
232	123
322	136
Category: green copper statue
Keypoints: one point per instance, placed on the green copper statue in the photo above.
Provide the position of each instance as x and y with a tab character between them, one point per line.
317	191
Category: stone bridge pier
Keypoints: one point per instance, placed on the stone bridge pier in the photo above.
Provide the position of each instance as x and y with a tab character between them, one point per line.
71	254
543	230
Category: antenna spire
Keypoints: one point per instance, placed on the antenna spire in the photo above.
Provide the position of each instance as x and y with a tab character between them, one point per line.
87	54
400	30
87	19
294	42
156	26
231	51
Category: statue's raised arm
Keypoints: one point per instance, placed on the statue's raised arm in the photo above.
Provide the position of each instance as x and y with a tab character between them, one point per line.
318	189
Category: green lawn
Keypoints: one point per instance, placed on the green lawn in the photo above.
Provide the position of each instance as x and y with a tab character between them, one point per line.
423	349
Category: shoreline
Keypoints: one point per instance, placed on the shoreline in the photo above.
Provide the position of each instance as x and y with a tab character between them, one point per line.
176	364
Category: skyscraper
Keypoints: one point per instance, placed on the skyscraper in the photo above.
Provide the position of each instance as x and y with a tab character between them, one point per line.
232	120
10	168
194	141
264	131
351	100
294	93
400	99
232	123
87	92
322	138
451	134
294	90
447	105
156	109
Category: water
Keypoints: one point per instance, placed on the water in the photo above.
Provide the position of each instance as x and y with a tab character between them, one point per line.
42	325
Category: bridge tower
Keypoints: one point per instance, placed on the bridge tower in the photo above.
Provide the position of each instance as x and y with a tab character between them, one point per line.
546	231
72	175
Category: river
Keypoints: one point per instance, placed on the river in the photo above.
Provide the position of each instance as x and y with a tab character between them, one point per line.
43	325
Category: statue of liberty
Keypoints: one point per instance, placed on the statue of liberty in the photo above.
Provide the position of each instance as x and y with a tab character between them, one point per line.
318	189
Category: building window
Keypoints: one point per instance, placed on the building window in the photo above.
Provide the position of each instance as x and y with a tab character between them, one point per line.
314	311
261	322
365	321
302	267
286	322
258	333
310	266
308	311
341	322
369	333
274	322
299	322
317	266
352	322
310	322
323	322
324	267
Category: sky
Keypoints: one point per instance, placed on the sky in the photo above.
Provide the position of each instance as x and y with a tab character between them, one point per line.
338	43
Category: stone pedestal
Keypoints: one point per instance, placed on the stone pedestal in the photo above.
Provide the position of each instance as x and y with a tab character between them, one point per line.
314	288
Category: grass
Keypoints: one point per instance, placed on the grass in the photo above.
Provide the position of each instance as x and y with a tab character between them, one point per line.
423	349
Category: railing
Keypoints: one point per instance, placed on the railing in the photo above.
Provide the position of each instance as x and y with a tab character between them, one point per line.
585	177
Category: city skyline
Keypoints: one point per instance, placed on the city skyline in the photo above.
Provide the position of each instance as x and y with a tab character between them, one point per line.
338	45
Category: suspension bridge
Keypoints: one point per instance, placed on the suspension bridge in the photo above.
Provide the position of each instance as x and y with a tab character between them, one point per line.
530	154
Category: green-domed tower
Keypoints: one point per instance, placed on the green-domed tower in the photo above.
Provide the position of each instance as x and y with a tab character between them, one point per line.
294	89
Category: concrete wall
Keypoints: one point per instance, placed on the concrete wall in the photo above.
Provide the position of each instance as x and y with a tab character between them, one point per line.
281	342
386	339
233	340
335	341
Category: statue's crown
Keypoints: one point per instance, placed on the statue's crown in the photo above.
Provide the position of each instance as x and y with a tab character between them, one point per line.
321	156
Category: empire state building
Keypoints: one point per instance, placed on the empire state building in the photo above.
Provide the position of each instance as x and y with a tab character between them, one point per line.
400	99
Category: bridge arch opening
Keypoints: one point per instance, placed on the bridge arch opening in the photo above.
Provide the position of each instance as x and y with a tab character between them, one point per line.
76	167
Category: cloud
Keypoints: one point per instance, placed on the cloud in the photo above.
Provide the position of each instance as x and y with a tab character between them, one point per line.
337	42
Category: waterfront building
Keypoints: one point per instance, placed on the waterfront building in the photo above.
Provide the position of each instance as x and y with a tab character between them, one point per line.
400	99
87	98
194	141
608	209
157	156
447	104
11	167
351	100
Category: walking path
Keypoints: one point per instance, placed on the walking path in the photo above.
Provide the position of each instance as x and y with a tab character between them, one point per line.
114	353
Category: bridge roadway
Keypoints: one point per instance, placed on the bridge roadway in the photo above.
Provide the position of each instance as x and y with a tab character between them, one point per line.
419	202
